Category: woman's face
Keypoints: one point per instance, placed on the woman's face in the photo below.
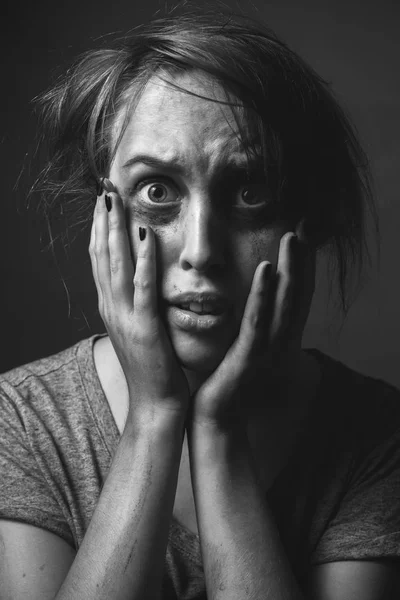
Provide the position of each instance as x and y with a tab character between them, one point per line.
181	169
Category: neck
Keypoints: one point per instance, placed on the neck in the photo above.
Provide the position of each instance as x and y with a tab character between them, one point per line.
195	379
277	401
272	429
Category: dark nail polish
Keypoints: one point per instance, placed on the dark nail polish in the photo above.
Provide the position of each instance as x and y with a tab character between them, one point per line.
142	233
267	271
99	186
300	249
304	231
107	199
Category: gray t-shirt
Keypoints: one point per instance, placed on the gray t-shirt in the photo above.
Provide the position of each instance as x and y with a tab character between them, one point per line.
337	499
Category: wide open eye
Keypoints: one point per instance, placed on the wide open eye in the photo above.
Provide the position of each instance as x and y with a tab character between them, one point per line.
252	194
157	192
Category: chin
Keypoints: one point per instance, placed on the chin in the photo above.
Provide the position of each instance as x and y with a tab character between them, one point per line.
201	356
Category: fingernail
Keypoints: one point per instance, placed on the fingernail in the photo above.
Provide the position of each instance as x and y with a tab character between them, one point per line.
299	247
301	231
108	202
99	186
108	185
142	233
267	271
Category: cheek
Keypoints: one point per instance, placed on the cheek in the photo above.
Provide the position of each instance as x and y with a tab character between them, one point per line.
165	238
132	226
249	251
256	247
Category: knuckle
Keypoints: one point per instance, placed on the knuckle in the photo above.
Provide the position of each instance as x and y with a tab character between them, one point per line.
114	224
141	283
144	254
100	248
106	314
115	265
255	321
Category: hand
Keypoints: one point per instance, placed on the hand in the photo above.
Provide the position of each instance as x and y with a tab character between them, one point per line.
269	340
128	306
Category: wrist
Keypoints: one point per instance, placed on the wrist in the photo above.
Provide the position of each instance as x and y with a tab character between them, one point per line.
153	420
217	443
229	426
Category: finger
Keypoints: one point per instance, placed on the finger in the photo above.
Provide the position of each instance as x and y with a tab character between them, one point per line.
237	365
253	327
283	292
303	262
145	280
301	232
108	185
102	255
94	262
304	292
121	265
294	291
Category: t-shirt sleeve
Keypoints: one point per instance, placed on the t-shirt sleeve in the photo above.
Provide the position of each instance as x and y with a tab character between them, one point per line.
25	492
366	522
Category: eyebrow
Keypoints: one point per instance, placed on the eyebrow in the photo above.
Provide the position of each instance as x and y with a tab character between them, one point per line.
153	161
174	163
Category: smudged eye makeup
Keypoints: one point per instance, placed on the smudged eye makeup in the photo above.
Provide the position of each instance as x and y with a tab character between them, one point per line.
237	198
251	195
160	191
156	191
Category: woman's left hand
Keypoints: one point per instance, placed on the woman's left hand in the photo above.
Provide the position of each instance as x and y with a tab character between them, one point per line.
269	341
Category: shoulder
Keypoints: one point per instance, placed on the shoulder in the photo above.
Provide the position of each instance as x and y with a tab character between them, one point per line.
43	367
51	442
346	377
357	425
356	407
48	384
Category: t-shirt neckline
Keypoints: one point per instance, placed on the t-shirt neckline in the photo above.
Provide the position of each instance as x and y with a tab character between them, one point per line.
183	539
180	537
101	410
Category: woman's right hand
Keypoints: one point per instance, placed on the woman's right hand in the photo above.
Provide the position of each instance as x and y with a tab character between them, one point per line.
128	306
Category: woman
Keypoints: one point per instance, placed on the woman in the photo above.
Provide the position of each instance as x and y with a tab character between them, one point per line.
197	449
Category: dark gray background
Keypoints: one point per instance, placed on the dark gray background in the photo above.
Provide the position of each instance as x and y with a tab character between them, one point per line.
353	44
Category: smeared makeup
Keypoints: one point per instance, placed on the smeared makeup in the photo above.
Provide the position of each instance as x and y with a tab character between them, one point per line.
217	217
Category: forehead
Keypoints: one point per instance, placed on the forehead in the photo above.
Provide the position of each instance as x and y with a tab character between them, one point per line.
186	118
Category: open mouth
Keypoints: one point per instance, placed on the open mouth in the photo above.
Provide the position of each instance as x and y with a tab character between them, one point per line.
197	316
201	308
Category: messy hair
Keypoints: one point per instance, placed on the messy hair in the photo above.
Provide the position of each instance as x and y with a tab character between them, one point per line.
315	166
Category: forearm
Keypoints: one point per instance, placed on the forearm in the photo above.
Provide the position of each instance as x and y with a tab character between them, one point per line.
242	553
122	554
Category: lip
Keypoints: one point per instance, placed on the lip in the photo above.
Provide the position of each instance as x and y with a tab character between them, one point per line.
191	321
215	298
188	320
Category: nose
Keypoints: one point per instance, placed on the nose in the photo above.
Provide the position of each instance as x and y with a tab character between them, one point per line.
202	236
